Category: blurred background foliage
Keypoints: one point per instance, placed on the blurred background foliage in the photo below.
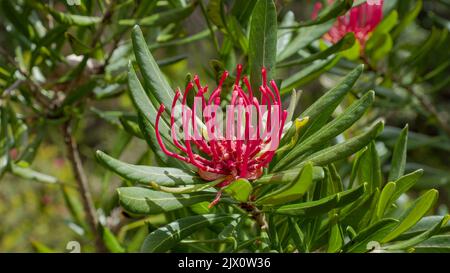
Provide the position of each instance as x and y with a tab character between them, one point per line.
63	68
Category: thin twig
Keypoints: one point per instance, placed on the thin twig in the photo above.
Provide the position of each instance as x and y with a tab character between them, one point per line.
83	186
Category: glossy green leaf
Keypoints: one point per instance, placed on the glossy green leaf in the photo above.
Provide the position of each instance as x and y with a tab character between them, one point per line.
30	174
423	225
345	43
308	74
164	238
321	110
169	177
145	201
373	233
161	18
419	238
321	206
239	189
262	41
369	168
330	130
344	149
414	213
436	244
111	242
287	176
153	77
404	183
330	12
408	18
292	191
305	36
385	199
399	156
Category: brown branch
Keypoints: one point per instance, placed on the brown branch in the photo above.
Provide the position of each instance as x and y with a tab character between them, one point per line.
83	186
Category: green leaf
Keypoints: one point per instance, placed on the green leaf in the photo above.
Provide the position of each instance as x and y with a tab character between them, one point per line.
162	18
423	225
331	11
399	156
419	238
414	213
287	176
79	93
292	191
30	174
186	189
436	244
407	19
78	47
336	240
385	199
73	19
345	43
145	201
344	149
169	177
297	235
308	74
262	41
404	183
330	130
305	36
164	238
111	242
239	189
373	233
153	77
321	110
369	168
321	206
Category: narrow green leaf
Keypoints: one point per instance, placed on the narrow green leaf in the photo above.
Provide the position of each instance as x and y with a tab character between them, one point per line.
145	201
305	36
292	191
169	177
423	225
344	149
414	213
345	43
373	233
321	206
331	11
164	238
308	74
287	176
399	156
162	18
30	174
262	41
419	238
369	168
239	189
436	244
320	111
111	242
385	199
404	183
330	130
153	77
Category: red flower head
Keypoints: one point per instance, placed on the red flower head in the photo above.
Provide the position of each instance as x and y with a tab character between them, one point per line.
361	20
245	149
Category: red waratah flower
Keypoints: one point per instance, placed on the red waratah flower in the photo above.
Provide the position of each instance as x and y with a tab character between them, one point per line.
361	20
245	150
